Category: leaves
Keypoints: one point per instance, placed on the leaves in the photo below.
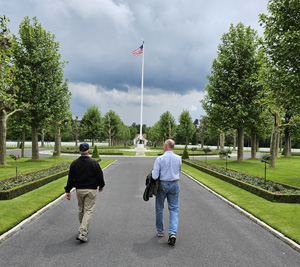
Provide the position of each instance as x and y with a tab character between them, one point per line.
232	90
39	72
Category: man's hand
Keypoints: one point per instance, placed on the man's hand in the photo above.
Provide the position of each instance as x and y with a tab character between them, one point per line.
68	196
101	189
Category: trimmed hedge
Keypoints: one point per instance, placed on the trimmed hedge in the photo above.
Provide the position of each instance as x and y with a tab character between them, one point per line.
102	153
280	198
25	188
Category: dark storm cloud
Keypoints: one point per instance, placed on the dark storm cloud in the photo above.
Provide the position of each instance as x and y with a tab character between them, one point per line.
97	39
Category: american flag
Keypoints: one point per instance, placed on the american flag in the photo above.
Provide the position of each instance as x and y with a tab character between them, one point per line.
138	51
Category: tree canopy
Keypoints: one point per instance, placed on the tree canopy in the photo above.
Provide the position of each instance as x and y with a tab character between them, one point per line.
233	83
39	74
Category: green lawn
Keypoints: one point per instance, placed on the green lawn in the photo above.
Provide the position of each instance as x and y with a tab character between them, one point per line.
15	210
282	217
25	165
287	170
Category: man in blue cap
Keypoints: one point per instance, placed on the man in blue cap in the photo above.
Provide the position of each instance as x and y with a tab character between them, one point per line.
86	176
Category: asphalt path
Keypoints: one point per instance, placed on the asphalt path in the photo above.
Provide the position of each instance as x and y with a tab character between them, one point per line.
122	231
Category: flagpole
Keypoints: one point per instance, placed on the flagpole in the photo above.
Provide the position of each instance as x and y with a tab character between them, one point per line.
142	93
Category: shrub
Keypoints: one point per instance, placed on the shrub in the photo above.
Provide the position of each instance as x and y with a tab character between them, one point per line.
273	191
12	182
185	154
269	185
95	154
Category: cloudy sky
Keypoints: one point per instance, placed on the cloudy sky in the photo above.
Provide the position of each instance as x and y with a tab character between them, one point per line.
97	38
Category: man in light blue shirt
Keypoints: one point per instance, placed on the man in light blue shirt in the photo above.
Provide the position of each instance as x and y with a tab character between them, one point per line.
167	168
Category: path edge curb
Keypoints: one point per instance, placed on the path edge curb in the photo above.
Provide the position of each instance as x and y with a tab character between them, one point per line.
35	215
267	227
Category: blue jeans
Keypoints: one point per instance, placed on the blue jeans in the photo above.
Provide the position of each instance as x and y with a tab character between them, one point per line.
169	190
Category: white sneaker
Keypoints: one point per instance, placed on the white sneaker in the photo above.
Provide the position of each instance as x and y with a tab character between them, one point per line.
82	238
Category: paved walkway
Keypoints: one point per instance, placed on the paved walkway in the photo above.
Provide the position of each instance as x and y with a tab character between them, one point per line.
122	230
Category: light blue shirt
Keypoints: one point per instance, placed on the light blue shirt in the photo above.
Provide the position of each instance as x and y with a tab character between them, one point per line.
167	167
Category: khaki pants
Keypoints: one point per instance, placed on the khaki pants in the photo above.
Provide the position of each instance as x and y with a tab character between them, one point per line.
86	203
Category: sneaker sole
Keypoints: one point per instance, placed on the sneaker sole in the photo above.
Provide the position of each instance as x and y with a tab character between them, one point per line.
82	241
172	241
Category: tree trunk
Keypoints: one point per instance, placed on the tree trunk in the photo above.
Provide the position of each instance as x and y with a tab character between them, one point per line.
277	144
18	142
287	141
3	119
170	129
35	142
234	139
274	139
240	141
222	141
76	132
93	142
23	141
253	144
202	133
57	146
43	138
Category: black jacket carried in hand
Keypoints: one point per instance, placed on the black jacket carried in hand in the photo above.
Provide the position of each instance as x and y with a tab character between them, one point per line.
151	187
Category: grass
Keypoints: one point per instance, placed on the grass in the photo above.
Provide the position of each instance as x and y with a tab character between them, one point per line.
15	210
281	216
25	165
287	170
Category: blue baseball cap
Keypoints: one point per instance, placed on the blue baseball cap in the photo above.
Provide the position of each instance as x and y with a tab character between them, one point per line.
84	147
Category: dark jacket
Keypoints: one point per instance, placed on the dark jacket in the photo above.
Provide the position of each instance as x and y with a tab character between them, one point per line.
85	173
152	187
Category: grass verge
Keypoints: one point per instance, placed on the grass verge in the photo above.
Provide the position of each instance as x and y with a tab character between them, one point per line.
287	170
25	165
281	216
16	210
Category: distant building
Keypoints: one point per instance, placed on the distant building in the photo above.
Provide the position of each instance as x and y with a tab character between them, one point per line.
136	140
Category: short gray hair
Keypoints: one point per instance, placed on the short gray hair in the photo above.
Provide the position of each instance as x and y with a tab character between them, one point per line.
170	143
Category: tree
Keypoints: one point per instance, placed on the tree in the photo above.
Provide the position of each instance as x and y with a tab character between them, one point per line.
39	74
133	131
281	47
91	124
123	134
154	134
62	115
233	84
167	126
186	126
8	90
111	123
75	127
17	129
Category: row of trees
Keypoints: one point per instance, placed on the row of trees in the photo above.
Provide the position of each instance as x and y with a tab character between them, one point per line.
110	127
256	81
33	88
167	128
